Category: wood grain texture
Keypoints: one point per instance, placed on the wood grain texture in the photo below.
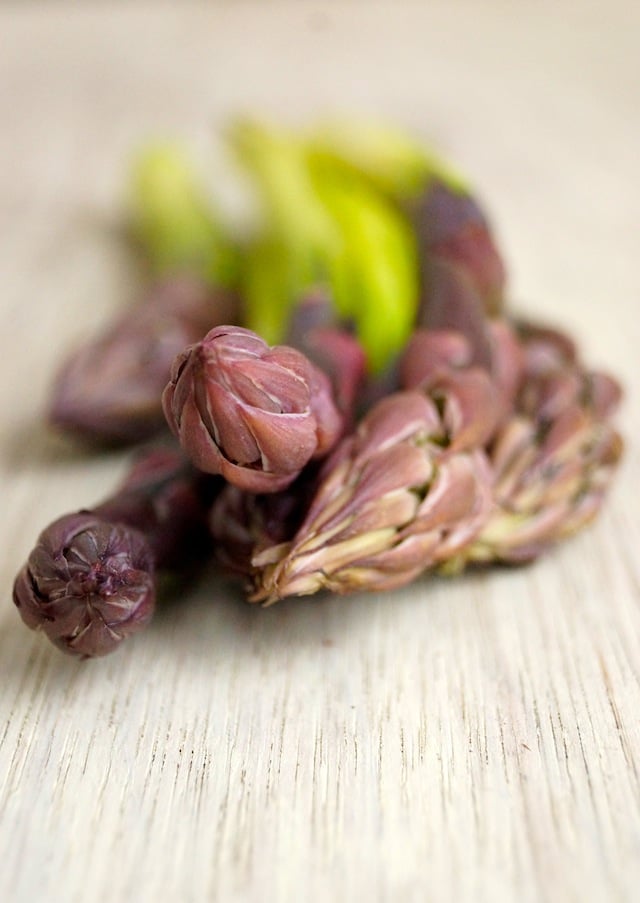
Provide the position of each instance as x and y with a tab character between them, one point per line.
473	739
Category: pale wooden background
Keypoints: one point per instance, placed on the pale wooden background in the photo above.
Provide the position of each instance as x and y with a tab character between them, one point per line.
466	740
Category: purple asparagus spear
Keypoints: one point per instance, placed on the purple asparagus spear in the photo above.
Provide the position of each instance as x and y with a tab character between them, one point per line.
109	391
254	414
90	581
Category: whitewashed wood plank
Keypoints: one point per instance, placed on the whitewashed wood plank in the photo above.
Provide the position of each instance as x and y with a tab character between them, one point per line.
470	739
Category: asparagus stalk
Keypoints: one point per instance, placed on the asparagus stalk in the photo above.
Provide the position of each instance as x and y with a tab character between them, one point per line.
391	161
173	220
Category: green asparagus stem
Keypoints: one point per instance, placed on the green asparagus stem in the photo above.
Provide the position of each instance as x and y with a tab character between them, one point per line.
328	226
173	219
389	159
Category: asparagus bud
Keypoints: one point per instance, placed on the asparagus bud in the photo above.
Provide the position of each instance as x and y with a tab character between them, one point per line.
109	391
451	303
554	458
453	229
394	500
254	414
87	584
435	356
90	580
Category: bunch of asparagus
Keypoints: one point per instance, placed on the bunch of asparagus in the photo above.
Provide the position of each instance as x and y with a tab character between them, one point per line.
339	401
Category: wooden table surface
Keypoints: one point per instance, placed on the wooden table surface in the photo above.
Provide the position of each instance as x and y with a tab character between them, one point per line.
472	739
